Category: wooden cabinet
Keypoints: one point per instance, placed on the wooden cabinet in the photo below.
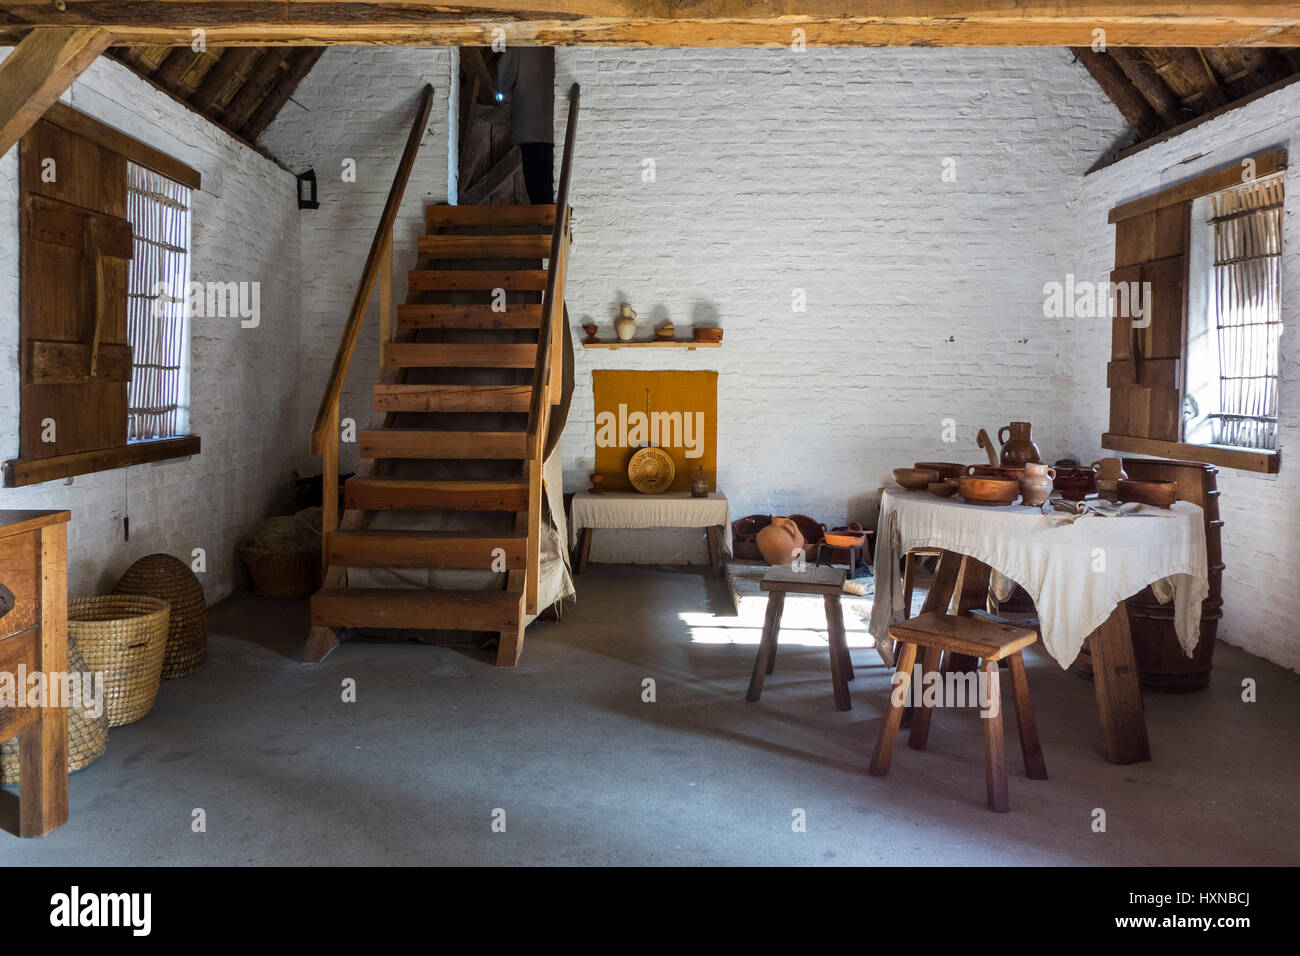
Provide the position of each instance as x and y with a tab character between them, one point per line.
34	637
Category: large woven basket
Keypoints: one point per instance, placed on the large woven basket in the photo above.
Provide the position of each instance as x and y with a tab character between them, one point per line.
163	576
87	735
283	555
125	636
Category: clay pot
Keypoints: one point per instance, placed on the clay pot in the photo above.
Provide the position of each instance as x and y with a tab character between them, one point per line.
1036	484
744	531
596	487
780	542
1017	449
591	329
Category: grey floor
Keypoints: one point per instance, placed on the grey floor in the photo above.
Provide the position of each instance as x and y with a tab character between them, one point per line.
588	773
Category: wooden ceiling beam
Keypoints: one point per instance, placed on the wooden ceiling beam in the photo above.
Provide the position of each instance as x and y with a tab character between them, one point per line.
1115	83
34	76
254	90
232	63
1149	84
1194	67
174	67
300	65
678	23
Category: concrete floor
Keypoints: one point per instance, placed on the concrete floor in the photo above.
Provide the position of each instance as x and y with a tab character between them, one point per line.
587	773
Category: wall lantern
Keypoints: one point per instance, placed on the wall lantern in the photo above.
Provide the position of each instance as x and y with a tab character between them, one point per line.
307	190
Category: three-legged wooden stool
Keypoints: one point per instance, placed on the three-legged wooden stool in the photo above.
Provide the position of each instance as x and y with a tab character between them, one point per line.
990	642
828	582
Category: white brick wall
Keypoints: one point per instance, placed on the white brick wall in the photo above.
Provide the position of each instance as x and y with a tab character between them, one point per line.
357	103
822	171
245	228
1261	513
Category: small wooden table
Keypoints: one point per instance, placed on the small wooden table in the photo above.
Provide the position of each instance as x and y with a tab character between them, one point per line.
34	636
829	583
631	510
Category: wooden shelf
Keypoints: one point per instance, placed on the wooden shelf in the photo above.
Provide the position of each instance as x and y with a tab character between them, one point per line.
654	344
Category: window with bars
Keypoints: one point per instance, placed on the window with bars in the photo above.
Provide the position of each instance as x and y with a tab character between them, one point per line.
1235	316
157	320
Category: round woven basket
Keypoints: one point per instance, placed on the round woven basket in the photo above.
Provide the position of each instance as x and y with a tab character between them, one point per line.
163	576
283	555
87	735
125	636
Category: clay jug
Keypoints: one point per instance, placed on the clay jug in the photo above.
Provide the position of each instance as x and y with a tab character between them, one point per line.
780	542
625	324
1036	484
1018	449
1109	472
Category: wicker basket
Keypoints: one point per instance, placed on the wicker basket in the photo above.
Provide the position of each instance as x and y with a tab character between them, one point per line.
87	735
163	576
285	575
125	636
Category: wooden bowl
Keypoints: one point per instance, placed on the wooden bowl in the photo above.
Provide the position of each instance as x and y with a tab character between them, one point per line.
915	479
1075	484
980	490
706	334
944	489
1162	494
994	471
946	469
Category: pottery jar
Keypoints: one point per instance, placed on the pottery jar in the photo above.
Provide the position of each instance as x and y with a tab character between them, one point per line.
780	542
1017	449
625	324
1036	484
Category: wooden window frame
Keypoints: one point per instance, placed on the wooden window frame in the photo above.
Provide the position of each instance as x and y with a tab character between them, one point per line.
1227	456
20	471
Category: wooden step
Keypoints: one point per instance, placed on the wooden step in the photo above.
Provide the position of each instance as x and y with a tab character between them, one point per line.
536	246
473	280
417	608
427	549
386	494
438	216
468	317
452	398
425	443
458	355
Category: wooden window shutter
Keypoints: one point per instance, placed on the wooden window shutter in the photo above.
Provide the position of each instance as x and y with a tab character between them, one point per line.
1145	370
76	247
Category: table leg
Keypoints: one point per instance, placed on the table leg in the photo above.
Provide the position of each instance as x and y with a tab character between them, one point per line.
841	667
584	549
715	548
766	659
1119	694
973	594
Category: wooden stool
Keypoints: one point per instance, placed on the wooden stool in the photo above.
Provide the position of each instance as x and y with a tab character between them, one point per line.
990	642
828	582
909	572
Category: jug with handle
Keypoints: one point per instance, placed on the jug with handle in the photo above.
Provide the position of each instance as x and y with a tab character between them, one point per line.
1017	448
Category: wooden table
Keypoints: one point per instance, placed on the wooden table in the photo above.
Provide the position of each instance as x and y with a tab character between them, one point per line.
34	635
630	510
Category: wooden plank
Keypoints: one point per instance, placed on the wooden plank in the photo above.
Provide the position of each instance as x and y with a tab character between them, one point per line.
995	753
36	73
883	755
380	494
436	216
415	608
74	121
19	472
533	473
1155	373
65	363
221	82
452	398
417	316
425	549
1265	163
19	562
329	453
653	344
720	23
385	299
20	520
452	246
973	636
250	95
21	650
474	280
43	748
458	355
1030	748
418	443
1244	459
177	64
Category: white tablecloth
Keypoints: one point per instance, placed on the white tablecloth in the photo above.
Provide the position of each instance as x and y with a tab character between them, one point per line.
669	509
1075	572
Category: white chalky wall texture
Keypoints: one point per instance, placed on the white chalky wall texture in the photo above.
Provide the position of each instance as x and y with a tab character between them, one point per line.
243	390
1261	513
822	171
357	104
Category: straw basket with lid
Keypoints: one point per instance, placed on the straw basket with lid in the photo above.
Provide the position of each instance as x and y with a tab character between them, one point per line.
170	579
125	636
283	554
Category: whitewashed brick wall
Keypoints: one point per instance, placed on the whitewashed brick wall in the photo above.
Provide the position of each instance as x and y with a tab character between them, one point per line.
244	386
357	103
822	171
1261	513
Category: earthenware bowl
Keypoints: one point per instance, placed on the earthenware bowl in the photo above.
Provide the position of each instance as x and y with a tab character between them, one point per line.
1162	494
851	537
944	489
980	490
706	334
995	471
946	469
1075	484
915	479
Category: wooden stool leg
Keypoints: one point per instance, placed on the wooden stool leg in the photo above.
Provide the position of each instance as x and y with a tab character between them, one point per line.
909	583
884	752
995	756
766	659
921	715
1035	766
839	651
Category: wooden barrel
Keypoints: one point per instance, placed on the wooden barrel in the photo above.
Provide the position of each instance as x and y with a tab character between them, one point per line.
1161	663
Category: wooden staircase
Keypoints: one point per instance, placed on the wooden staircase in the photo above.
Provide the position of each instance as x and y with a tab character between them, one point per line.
434	391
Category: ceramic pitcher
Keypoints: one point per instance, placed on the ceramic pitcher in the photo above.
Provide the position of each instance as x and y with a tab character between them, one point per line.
1109	472
1017	449
625	324
780	542
1036	484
